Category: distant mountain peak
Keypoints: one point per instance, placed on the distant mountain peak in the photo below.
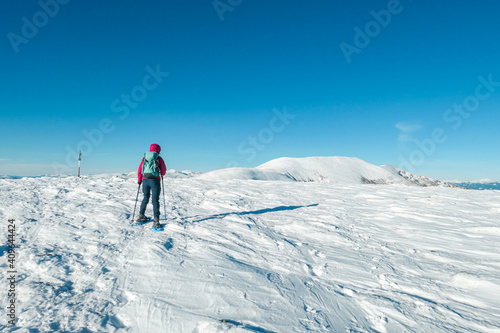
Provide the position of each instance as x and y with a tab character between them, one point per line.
327	169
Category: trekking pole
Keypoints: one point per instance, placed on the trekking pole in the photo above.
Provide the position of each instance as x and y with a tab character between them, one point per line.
164	204
136	199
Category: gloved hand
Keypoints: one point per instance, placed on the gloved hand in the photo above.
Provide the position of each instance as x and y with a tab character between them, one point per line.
139	182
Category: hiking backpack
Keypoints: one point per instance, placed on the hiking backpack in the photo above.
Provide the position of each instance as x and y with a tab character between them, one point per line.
150	167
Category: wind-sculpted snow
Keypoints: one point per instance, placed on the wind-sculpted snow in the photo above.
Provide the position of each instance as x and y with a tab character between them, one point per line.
246	256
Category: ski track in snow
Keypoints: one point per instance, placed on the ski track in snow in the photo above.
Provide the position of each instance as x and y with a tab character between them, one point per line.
253	256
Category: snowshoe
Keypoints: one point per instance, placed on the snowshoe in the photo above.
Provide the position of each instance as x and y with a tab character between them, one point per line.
141	221
142	218
157	225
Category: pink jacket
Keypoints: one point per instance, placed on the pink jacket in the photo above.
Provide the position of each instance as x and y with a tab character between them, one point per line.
162	166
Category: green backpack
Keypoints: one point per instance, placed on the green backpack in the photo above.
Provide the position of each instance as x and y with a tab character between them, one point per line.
150	168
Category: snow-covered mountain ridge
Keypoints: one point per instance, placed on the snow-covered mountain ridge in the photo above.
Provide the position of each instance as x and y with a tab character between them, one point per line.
335	169
478	185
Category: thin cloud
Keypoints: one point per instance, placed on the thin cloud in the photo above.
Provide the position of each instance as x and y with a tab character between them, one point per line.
406	130
407	127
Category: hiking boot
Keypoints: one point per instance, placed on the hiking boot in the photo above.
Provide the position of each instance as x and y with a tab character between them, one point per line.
156	222
141	218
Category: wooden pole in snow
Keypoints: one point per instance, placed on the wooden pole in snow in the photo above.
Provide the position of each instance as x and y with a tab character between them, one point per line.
79	162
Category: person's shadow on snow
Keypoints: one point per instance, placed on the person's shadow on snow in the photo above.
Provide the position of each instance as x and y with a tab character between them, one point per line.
253	212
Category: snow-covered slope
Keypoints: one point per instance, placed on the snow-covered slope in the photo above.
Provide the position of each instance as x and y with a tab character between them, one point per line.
346	170
336	169
416	179
180	174
244	174
245	256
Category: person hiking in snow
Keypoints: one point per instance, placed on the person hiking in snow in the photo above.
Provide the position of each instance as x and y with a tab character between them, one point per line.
150	171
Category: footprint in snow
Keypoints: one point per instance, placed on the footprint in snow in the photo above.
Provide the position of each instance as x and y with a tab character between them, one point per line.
169	244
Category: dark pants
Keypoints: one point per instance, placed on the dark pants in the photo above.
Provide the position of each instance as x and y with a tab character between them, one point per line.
148	186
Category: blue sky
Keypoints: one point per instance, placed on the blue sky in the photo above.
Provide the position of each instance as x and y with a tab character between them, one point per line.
415	84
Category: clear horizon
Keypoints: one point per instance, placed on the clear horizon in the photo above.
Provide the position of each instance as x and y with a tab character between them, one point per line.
83	174
413	84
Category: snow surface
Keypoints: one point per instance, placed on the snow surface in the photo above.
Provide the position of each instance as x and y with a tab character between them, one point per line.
244	174
330	169
416	179
334	169
248	256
